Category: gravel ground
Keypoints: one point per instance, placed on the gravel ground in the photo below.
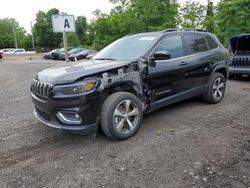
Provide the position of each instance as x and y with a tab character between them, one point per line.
188	144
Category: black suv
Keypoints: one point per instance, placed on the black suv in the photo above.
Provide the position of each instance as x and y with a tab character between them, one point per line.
134	75
240	61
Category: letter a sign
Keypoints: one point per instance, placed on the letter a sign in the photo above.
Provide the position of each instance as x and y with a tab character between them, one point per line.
63	23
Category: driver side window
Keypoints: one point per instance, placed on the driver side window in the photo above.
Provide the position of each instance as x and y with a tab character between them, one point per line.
172	44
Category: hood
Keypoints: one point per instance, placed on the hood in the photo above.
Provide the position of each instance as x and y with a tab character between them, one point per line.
68	73
240	43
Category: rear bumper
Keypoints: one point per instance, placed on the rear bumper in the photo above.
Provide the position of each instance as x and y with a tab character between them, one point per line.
239	71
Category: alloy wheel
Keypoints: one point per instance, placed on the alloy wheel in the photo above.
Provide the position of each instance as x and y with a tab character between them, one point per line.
218	89
126	116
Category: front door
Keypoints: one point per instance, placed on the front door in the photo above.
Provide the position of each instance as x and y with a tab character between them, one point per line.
167	77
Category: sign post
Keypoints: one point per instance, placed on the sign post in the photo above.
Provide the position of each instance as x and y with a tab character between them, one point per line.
63	24
65	42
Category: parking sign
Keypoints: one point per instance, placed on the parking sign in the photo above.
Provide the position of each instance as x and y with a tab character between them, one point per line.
63	23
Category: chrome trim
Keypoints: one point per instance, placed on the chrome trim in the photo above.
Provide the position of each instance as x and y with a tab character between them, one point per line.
40	100
63	119
41	89
163	92
58	126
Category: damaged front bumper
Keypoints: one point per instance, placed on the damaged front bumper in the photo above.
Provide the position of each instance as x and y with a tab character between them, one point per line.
83	129
86	109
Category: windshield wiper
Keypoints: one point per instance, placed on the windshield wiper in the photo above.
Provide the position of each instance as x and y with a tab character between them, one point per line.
105	59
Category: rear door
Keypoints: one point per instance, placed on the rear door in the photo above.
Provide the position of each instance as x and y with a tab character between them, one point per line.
217	51
199	58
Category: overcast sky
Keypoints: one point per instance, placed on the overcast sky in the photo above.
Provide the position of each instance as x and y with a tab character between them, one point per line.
24	11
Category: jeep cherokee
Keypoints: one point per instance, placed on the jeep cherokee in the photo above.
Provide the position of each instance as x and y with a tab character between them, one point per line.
240	62
134	75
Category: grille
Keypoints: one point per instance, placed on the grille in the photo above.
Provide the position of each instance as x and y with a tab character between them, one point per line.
41	89
241	62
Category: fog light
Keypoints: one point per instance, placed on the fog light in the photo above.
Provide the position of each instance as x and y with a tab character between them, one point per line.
69	117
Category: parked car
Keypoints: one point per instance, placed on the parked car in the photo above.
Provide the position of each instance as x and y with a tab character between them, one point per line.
61	55
48	55
240	61
7	49
71	51
55	54
134	75
15	51
90	56
1	54
76	53
82	55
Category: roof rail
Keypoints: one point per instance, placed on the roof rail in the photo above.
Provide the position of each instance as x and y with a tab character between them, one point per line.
129	34
170	30
201	30
183	29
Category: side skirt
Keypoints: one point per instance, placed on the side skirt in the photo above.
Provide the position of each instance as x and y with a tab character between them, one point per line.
178	97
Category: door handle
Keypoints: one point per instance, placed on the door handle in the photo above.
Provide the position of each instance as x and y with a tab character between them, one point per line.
183	63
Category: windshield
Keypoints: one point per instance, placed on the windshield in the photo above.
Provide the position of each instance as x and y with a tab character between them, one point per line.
56	50
126	48
73	51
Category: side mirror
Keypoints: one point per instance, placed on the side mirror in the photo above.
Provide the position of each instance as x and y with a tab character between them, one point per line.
161	55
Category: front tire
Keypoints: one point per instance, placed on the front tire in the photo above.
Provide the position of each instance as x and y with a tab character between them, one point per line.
216	89
121	115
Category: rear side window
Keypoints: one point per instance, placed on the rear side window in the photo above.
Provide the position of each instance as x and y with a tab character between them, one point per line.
195	44
173	44
211	42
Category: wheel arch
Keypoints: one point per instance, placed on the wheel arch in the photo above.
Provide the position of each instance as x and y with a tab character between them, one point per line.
120	87
223	70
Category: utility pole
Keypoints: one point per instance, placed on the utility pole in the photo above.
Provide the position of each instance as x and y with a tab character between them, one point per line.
32	36
14	33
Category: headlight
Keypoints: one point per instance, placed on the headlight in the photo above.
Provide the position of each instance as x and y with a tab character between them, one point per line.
76	89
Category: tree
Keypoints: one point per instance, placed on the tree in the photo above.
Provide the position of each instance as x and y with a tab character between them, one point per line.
27	42
6	33
232	18
192	15
155	14
134	16
121	5
209	22
81	27
73	40
45	37
90	35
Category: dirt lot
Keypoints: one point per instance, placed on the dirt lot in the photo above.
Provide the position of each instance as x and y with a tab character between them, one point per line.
189	144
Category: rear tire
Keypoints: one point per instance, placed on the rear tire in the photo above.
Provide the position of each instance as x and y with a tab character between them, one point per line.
216	89
121	115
